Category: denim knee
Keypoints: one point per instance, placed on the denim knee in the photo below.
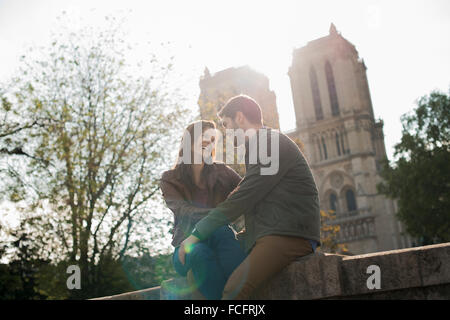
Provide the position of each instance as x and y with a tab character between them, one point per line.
200	252
181	269
221	234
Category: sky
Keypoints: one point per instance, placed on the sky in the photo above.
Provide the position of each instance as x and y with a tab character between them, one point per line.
405	44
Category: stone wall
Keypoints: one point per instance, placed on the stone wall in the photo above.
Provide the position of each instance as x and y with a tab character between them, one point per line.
414	273
145	294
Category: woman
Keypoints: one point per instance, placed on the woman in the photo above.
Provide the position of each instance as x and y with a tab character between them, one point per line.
191	188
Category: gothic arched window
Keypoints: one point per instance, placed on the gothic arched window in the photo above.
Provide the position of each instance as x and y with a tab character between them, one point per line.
337	144
344	151
351	201
332	89
333	202
325	154
320	149
315	93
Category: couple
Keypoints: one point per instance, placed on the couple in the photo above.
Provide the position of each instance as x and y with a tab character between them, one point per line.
281	210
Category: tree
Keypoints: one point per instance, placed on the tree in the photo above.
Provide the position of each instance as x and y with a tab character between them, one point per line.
95	159
12	123
27	263
329	233
148	271
420	177
15	125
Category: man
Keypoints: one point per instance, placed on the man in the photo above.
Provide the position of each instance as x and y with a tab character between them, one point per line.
281	210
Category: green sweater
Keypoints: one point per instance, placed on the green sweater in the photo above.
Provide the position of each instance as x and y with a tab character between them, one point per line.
285	203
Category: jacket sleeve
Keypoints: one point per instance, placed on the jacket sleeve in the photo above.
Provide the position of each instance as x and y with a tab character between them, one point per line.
233	177
250	191
178	205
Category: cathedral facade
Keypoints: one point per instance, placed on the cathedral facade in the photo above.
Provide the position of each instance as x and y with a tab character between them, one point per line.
343	142
340	137
217	88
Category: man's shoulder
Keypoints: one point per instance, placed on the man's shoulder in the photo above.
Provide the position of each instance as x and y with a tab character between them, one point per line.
287	146
272	132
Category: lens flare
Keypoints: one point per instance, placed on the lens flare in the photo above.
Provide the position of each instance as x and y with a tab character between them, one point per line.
188	248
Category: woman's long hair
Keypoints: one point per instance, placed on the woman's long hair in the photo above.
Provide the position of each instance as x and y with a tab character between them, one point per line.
184	170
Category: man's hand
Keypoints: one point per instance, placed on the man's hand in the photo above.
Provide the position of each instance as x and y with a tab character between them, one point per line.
186	247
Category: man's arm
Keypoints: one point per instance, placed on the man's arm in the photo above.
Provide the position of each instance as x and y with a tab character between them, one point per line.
250	191
234	177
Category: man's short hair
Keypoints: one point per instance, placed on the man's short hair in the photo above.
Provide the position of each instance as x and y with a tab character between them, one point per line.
247	105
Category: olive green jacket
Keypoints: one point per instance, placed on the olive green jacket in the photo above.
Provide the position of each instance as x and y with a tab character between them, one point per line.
285	203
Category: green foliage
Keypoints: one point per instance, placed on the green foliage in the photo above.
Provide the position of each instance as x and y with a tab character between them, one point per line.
148	271
10	284
86	135
48	281
329	232
19	277
420	177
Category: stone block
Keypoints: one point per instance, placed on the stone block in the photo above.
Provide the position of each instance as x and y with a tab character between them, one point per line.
434	262
145	294
175	289
179	289
314	276
399	269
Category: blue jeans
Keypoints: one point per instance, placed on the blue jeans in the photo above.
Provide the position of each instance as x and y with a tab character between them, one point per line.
212	262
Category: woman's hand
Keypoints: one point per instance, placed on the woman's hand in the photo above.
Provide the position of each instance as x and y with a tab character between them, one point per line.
240	236
186	247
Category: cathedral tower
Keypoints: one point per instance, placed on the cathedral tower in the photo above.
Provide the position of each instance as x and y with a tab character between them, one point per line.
216	89
343	142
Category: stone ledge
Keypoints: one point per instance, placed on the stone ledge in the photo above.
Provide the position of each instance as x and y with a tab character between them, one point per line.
314	276
400	269
145	294
414	273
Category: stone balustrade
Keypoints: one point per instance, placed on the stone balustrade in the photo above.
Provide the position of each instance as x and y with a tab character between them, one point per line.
354	225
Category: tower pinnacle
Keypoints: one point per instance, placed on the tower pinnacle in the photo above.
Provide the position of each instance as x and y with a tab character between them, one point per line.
333	30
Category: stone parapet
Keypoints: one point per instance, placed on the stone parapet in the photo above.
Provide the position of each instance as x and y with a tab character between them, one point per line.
145	294
414	273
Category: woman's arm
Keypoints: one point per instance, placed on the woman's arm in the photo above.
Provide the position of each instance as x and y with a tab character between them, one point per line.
233	176
178	205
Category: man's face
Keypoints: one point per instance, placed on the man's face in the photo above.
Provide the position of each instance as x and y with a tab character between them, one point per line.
230	124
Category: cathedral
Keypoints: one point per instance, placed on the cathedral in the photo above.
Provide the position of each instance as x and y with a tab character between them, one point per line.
342	140
216	89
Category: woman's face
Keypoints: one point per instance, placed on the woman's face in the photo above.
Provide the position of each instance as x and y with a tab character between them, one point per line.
206	145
